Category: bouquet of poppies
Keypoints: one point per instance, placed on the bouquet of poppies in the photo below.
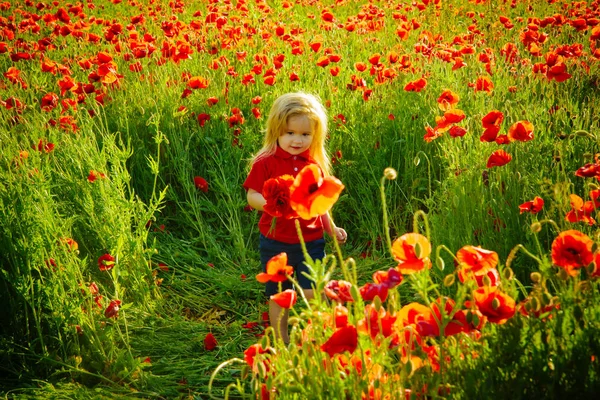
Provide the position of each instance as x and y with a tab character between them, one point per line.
276	192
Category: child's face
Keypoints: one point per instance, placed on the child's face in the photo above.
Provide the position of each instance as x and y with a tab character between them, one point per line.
298	135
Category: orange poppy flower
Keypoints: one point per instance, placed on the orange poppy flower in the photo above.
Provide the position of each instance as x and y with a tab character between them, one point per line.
484	84
572	250
376	322
198	82
360	66
391	278
521	130
285	299
412	250
498	159
476	261
498	307
447	100
581	211
277	270
312	194
343	339
534	206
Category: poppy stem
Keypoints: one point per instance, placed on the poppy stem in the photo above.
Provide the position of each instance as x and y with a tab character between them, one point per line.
423	215
386	224
513	254
214	374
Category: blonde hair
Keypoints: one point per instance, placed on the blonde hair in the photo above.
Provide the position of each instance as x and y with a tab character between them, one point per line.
289	105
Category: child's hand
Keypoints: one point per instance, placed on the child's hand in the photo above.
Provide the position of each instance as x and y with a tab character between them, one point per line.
341	235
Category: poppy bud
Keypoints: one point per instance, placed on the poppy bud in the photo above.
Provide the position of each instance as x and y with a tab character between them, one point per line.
449	280
496	303
535	227
486	281
535	304
355	293
546	299
582	133
439	262
293	321
390	173
377	303
590	269
536	277
508	273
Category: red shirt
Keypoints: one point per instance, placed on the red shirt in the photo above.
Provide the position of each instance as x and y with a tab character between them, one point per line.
283	163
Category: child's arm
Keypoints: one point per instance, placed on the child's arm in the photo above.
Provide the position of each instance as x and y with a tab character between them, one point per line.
331	229
256	200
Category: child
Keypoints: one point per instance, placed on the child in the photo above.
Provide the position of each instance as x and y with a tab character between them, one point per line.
295	137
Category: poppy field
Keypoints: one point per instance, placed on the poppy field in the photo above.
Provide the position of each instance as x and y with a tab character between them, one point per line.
464	138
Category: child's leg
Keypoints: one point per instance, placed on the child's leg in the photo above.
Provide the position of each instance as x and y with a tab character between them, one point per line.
278	317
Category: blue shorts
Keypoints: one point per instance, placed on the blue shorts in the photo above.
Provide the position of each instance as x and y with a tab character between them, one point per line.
269	248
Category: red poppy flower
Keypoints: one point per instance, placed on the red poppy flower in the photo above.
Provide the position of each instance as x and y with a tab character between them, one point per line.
72	244
498	159
596	272
492	119
484	84
276	192
323	61
498	307
211	101
572	250
93	175
360	66
457	131
312	194
391	278
521	130
376	322
447	100
589	170
534	206
582	211
106	262
277	270
412	250
112	311
198	82
201	184
210	342
369	291
343	339
203	118
93	287
252	351
49	102
476	261
285	299
416	86
256	100
339	291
